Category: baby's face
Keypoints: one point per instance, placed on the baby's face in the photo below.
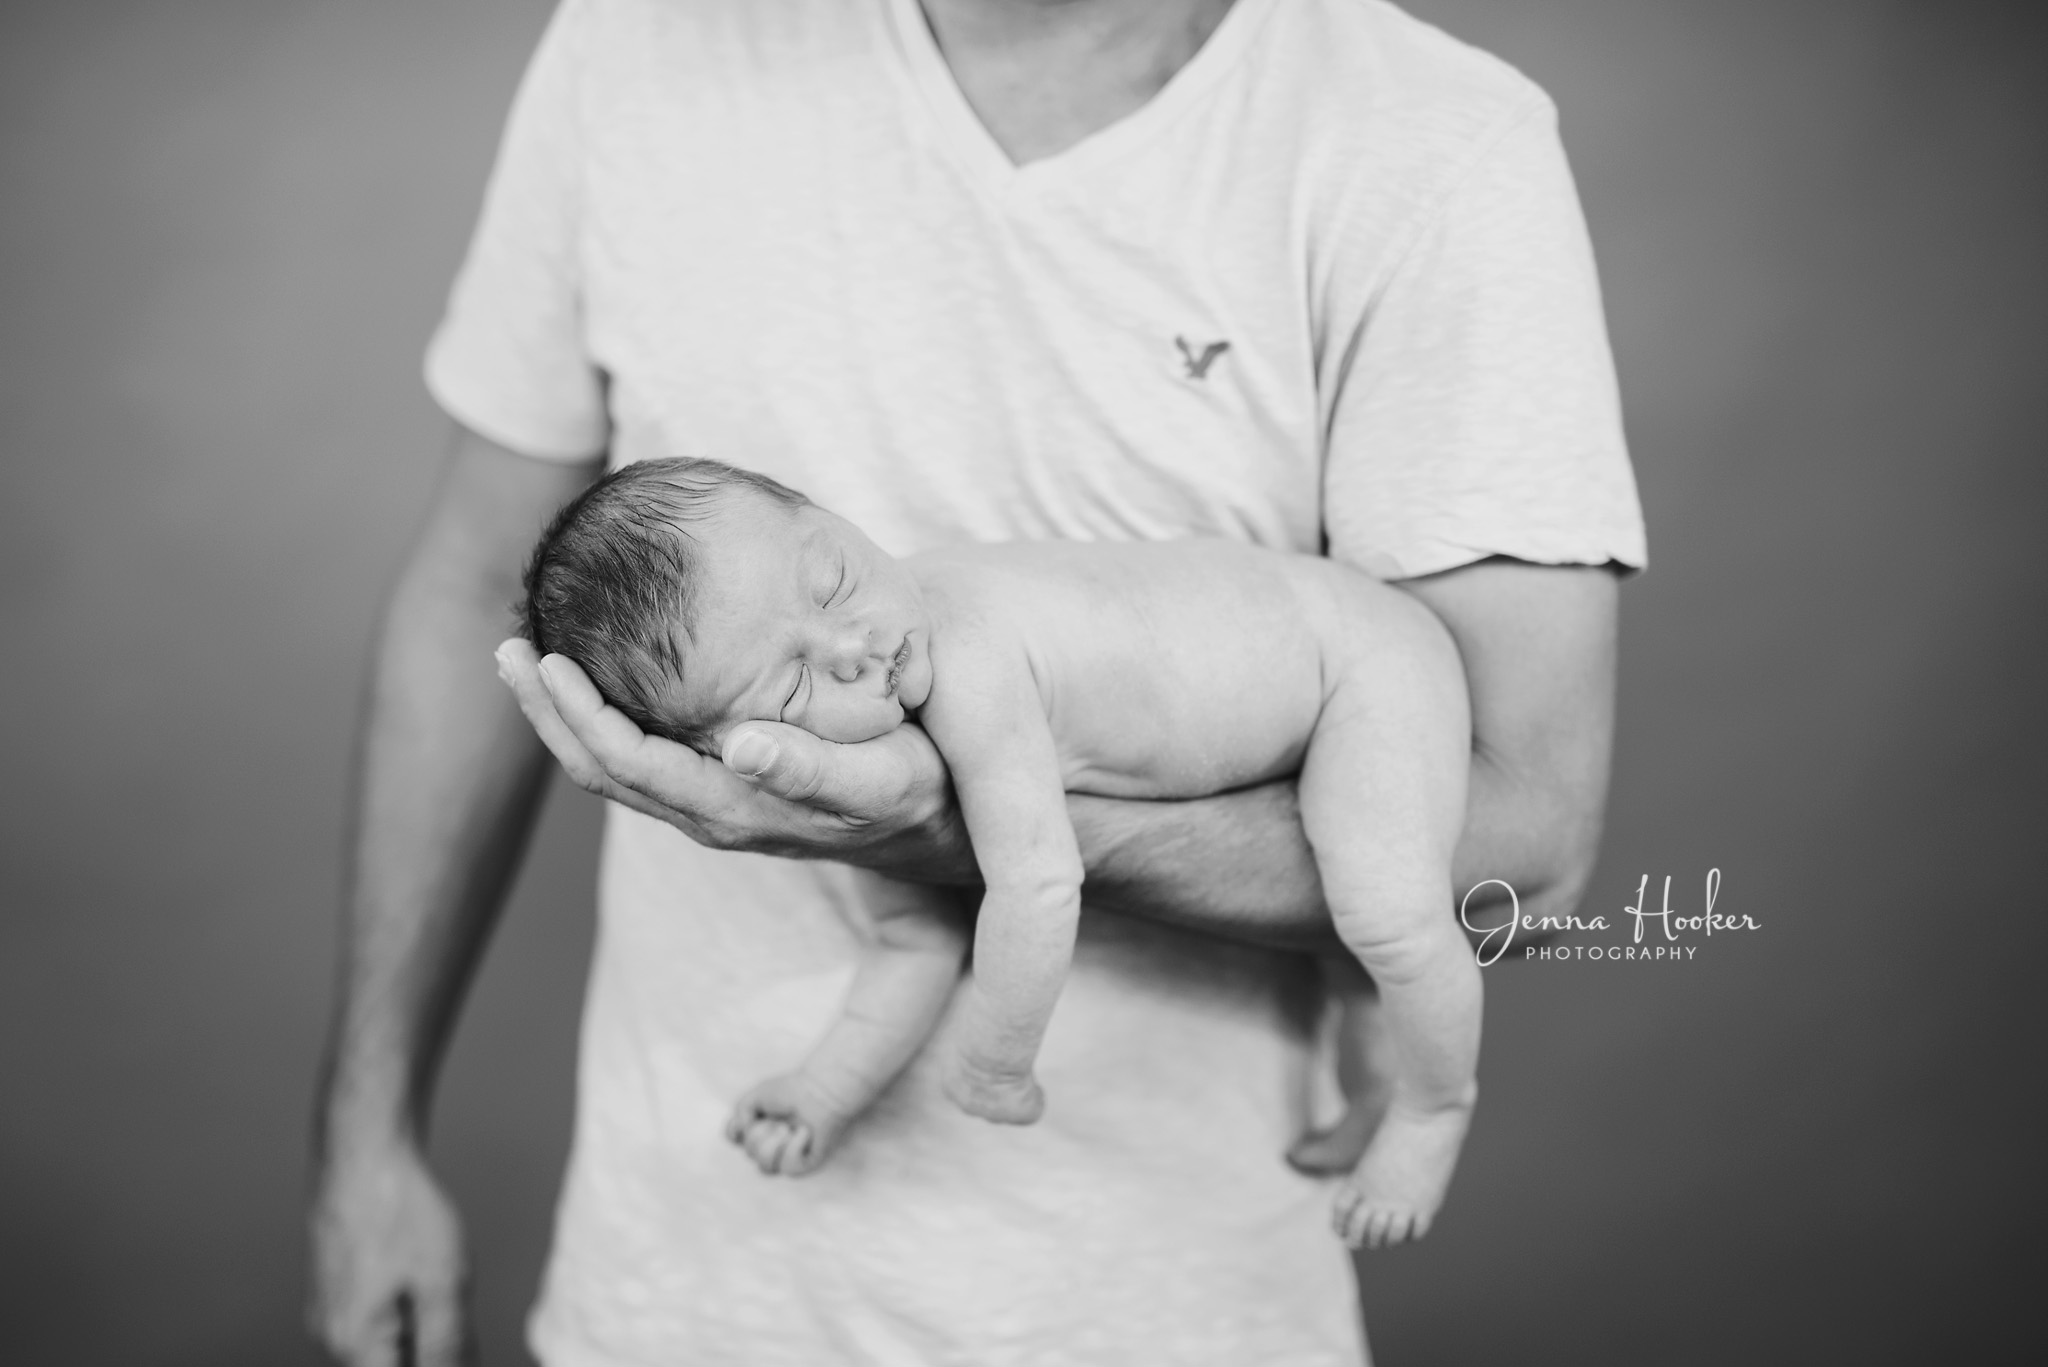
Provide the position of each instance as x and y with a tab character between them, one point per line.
802	619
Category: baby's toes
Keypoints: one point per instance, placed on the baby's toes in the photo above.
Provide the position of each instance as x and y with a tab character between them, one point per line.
1414	1224
1348	1214
1363	1222
1391	1227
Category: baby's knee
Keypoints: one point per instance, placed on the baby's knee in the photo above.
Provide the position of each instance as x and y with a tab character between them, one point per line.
1400	941
1380	618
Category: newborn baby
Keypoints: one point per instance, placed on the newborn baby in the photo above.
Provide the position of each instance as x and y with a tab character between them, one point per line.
698	596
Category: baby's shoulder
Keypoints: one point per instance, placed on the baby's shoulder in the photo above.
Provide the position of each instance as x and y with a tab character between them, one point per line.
987	684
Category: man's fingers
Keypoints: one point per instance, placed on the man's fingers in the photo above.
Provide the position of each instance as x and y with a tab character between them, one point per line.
607	733
413	1327
779	785
861	782
647	764
519	667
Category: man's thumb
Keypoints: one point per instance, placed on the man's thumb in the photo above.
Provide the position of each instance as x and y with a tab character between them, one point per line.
782	759
751	754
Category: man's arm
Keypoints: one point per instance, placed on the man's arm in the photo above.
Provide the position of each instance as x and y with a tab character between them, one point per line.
1538	648
448	780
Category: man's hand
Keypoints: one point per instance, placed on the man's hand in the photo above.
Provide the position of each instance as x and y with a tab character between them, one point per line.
886	804
388	1266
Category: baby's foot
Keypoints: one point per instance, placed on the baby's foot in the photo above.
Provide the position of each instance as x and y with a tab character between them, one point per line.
1006	1099
1366	1068
1399	1185
1325	1153
786	1125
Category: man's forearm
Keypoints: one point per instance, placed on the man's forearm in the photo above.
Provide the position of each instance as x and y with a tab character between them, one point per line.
1238	865
448	779
1540	844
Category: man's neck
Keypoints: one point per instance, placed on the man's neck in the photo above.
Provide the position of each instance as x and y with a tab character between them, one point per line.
1044	74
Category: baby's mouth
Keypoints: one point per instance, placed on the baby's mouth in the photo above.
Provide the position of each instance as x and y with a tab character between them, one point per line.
902	658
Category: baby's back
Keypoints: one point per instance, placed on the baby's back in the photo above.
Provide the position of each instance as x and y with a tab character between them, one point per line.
1167	669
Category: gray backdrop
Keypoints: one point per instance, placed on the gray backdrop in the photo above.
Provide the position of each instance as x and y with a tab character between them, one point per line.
226	228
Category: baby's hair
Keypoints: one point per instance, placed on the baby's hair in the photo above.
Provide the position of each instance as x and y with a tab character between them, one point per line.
615	576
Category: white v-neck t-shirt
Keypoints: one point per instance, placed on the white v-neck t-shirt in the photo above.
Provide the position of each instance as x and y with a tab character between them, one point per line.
1329	291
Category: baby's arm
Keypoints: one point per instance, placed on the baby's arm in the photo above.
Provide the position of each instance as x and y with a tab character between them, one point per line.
990	724
789	1123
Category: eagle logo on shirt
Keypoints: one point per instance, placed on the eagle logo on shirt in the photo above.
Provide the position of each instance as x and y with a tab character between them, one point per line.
1198	366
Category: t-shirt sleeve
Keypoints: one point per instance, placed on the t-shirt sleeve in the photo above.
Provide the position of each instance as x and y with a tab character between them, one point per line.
510	360
1477	411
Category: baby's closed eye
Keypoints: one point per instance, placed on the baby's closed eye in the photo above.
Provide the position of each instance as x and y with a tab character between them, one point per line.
797	690
835	585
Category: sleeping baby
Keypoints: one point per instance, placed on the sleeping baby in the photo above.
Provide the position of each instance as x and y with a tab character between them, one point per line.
698	596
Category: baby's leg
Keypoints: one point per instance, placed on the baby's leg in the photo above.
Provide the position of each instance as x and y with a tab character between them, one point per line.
1382	800
1365	1072
789	1123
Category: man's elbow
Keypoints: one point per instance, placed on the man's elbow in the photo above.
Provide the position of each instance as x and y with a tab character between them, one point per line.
1546	891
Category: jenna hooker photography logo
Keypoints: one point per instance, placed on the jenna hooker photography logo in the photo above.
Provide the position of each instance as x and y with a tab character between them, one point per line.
1670	930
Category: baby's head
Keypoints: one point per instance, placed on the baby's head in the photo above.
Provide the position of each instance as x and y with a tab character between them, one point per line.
697	596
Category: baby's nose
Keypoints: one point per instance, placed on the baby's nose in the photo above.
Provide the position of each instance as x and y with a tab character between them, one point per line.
850	655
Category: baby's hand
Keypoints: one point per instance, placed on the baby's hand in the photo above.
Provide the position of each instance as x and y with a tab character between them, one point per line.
786	1126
